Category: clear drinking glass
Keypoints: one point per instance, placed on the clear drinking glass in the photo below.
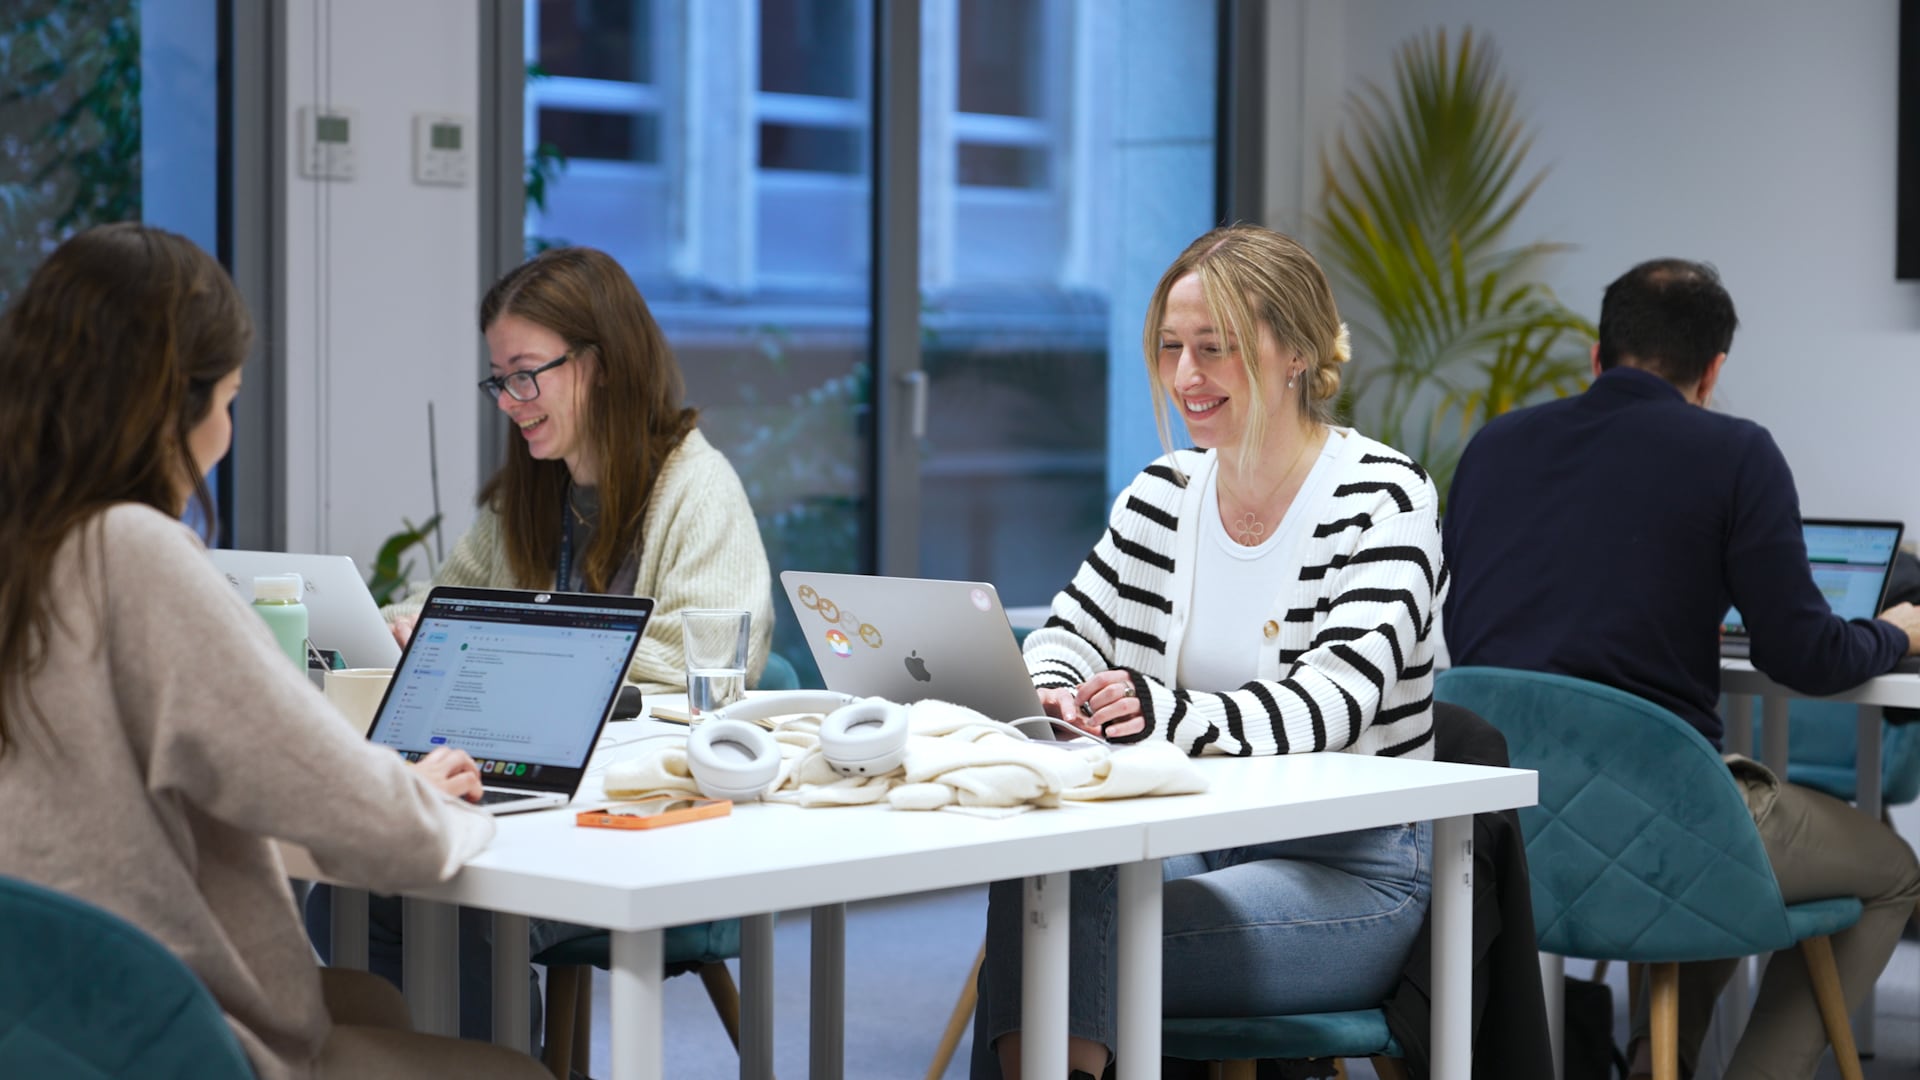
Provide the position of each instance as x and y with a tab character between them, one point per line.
716	650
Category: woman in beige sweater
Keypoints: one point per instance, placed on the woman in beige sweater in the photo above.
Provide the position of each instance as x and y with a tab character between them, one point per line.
153	738
607	486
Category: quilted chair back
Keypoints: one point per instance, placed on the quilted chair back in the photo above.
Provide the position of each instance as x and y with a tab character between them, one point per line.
1642	847
87	996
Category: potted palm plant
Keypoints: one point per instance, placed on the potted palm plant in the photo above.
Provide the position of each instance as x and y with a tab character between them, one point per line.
1419	193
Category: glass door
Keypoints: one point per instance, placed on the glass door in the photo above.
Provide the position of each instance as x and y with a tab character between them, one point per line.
1067	155
721	151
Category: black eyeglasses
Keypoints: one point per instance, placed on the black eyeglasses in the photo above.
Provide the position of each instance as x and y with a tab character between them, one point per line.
521	385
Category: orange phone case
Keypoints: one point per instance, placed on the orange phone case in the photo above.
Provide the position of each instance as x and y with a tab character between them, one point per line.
609	817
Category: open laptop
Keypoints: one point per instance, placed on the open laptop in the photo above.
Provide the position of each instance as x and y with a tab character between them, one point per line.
906	639
1852	562
341	615
522	681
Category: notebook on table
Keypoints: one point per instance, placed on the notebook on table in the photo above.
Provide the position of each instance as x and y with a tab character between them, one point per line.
1852	562
522	681
341	614
910	639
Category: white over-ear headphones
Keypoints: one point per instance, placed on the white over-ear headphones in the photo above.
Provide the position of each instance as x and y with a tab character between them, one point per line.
733	758
865	738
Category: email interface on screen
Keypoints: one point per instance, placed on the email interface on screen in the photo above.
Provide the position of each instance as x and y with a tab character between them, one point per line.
516	684
1849	566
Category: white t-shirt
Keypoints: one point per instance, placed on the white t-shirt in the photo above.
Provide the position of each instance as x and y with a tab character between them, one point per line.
1234	586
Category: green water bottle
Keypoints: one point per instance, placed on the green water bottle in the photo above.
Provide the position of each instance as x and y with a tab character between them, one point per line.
277	598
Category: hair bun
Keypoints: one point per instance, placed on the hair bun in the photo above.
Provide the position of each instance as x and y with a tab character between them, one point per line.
1342	345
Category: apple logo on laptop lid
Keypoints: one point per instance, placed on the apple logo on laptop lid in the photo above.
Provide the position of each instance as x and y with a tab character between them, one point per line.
917	667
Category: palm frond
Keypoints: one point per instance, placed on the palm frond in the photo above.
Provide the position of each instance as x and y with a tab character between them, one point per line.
1419	194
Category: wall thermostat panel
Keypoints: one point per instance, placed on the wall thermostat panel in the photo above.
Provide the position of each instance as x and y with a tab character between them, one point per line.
328	138
442	149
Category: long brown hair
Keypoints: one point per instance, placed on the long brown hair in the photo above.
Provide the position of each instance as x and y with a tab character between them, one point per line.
633	412
108	359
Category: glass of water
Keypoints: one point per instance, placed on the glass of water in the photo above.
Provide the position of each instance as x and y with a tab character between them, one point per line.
716	648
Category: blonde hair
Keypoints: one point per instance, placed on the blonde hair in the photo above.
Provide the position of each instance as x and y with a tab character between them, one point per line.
1256	280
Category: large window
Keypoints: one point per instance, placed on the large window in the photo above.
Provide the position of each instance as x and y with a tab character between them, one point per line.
725	152
109	111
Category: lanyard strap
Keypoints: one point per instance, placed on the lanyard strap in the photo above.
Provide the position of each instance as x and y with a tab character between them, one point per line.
564	573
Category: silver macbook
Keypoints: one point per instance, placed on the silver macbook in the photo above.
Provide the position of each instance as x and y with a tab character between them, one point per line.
522	681
905	639
341	615
1852	562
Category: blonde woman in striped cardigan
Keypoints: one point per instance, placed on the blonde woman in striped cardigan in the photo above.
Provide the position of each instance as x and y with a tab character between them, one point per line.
1274	591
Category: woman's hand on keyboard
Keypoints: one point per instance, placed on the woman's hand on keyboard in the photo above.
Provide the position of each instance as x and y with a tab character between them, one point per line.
452	771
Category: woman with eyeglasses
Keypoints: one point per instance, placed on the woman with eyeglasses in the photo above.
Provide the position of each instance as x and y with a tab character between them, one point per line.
608	486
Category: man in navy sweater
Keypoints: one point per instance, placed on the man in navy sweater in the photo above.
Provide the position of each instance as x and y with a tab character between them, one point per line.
1605	535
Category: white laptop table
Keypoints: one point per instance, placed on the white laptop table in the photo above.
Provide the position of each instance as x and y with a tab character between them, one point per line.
764	858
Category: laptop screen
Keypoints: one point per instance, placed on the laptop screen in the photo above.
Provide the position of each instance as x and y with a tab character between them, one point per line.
1850	560
521	681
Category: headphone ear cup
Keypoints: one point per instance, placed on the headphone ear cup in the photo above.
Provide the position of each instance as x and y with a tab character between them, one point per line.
866	738
732	759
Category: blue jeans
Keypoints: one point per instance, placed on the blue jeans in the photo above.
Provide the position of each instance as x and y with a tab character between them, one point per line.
1320	924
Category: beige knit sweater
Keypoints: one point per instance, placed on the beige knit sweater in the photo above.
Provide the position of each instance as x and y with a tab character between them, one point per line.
177	740
700	549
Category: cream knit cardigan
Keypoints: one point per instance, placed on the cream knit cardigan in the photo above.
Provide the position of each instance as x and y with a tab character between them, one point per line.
700	548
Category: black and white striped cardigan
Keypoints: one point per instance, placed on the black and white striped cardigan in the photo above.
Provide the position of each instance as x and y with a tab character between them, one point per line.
1346	662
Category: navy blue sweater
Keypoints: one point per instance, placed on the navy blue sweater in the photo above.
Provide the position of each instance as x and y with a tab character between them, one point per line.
1605	535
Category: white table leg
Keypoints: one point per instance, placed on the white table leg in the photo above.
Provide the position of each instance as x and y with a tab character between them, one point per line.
1866	768
430	965
1738	737
349	920
1452	948
1553	987
826	1038
756	997
1138	1055
636	1025
1773	732
511	1020
1043	977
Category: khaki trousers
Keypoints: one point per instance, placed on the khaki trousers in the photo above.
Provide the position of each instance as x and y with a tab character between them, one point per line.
1820	848
373	1039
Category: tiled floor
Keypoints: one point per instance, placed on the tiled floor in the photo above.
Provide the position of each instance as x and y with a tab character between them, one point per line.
907	958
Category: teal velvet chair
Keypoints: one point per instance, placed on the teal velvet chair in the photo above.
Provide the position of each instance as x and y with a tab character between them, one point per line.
1821	749
85	995
1642	849
778	675
1240	1042
703	948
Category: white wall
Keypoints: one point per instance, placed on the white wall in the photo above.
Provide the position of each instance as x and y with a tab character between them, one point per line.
381	280
1759	137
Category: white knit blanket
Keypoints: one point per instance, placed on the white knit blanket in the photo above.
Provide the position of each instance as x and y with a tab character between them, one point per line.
957	759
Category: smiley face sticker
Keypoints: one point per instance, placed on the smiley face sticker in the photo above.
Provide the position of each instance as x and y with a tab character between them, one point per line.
809	598
838	642
870	634
828	610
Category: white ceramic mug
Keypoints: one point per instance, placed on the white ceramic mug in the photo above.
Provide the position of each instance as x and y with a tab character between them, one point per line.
356	692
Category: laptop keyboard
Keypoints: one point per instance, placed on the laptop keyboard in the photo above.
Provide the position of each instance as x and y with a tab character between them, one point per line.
489	797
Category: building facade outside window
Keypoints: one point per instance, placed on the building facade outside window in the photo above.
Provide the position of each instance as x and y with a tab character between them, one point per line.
723	152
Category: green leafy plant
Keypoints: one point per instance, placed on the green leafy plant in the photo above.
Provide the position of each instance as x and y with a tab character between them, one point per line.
69	125
1455	326
392	570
